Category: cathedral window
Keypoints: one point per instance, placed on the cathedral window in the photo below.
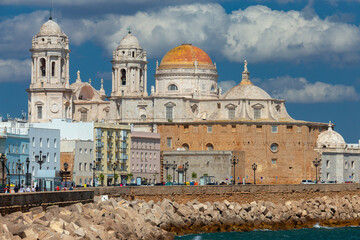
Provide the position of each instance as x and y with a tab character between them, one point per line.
83	117
53	69
257	113
231	113
169	113
133	54
43	67
172	87
209	147
39	112
123	77
143	117
169	142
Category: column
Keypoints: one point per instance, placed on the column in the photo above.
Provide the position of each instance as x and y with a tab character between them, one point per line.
67	71
58	64
32	70
112	80
48	72
145	80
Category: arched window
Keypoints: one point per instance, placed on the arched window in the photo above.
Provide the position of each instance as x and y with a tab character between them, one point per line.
209	147
185	146
62	67
172	87
39	112
212	88
53	69
43	67
123	77
143	117
169	113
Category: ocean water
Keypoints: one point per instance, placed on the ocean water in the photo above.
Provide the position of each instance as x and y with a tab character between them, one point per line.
318	233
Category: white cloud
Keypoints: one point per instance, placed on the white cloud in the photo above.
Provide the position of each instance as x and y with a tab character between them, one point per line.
13	70
302	91
226	85
256	33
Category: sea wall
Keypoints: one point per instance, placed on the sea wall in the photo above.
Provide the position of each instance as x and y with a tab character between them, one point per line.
117	218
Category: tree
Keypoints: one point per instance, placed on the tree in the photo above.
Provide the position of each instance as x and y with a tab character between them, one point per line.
194	175
101	177
116	176
129	177
169	178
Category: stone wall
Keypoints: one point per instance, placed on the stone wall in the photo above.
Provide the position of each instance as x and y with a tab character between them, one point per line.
12	202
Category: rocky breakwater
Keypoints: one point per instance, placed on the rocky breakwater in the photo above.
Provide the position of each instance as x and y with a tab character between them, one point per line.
121	219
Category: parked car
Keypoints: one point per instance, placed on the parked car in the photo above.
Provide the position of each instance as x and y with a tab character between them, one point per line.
307	182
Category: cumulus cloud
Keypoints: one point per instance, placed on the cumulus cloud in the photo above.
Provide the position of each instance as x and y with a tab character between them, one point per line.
256	33
13	70
301	90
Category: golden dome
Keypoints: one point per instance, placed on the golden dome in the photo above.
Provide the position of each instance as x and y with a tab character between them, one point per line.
186	56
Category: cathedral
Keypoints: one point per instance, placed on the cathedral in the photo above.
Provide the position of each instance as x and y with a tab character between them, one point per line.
184	104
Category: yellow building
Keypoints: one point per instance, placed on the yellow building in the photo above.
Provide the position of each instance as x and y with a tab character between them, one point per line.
112	152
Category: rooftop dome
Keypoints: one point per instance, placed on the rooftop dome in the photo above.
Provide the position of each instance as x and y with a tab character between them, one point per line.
186	56
246	90
330	139
129	41
51	28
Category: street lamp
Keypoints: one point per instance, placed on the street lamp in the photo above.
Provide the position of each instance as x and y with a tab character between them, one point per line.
40	159
114	169
3	160
27	171
94	169
254	167
186	167
66	165
234	161
19	164
167	166
316	163
173	168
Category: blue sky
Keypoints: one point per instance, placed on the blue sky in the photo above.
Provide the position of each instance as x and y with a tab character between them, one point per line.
306	52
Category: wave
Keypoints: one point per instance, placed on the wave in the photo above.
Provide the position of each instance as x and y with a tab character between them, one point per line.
317	225
197	237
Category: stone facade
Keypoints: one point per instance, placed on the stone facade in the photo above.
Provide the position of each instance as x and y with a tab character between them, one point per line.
283	152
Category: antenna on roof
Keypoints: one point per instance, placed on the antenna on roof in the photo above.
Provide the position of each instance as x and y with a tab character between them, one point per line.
50	18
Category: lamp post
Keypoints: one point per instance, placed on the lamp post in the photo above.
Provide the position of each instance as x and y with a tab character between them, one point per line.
94	169
40	159
19	164
27	171
66	165
186	167
114	169
173	168
167	166
254	167
234	161
3	160
316	163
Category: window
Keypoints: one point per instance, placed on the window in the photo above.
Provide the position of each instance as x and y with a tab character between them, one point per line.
231	113
352	164
273	161
185	146
257	113
55	143
209	147
289	128
328	176
274	147
85	150
48	157
39	112
85	165
209	129
33	142
123	77
169	142
143	117
83	117
346	164
233	128
169	113
80	150
40	142
327	163
43	67
186	128
172	87
48	142
79	166
53	69
274	129
55	157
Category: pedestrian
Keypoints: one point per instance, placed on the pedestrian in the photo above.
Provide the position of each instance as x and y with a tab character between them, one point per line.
8	189
28	189
33	189
37	189
57	188
22	189
45	189
16	189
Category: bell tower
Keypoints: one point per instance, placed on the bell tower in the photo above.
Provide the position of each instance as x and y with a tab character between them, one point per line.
49	91
129	68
